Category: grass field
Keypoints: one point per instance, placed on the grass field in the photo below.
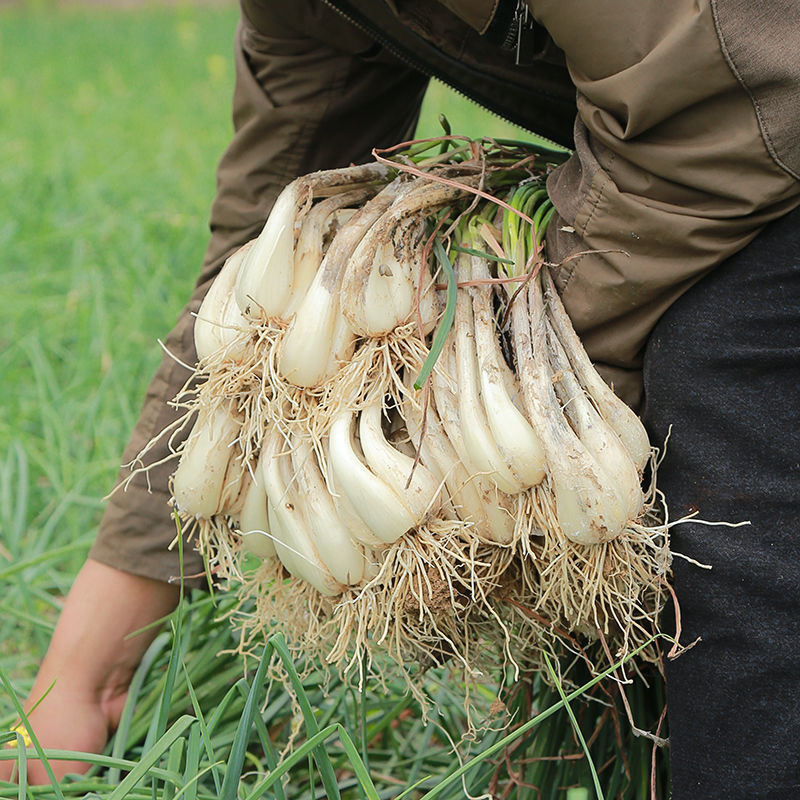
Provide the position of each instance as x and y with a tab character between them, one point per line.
110	133
111	122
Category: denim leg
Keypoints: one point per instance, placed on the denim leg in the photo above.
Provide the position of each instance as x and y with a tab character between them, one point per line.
723	369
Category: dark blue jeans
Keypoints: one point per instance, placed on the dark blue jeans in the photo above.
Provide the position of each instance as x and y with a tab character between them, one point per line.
723	369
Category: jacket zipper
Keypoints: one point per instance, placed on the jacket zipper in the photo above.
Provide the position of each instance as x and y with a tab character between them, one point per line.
413	62
521	22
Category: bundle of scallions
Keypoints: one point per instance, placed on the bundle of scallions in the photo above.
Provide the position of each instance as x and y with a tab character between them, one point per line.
394	420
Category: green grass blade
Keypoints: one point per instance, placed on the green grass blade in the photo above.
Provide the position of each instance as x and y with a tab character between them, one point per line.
578	793
416	784
575	725
26	723
225	703
191	772
202	727
472	251
330	706
56	554
498	746
121	736
174	760
22	768
270	755
190	788
446	322
20	503
95	760
312	726
46	625
307	747
233	770
152	757
359	767
417	767
362	708
386	719
545	221
554	153
159	723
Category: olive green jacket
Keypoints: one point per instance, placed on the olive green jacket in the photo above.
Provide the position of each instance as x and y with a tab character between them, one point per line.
683	115
685	133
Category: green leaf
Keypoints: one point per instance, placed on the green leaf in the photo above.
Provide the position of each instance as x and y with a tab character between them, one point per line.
121	736
27	725
233	771
575	725
498	746
152	757
446	322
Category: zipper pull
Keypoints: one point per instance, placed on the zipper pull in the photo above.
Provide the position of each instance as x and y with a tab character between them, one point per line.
522	16
521	23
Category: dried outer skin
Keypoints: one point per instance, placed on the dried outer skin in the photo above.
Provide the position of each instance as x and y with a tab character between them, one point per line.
328	182
617	414
315	337
308	251
496	506
595	434
264	284
481	449
588	507
474	499
362	287
199	480
387	297
219	317
516	441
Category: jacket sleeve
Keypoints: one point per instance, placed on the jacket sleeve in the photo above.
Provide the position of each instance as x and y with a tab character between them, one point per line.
311	92
673	169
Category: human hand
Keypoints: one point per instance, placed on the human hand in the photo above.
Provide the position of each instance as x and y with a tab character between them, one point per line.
83	681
